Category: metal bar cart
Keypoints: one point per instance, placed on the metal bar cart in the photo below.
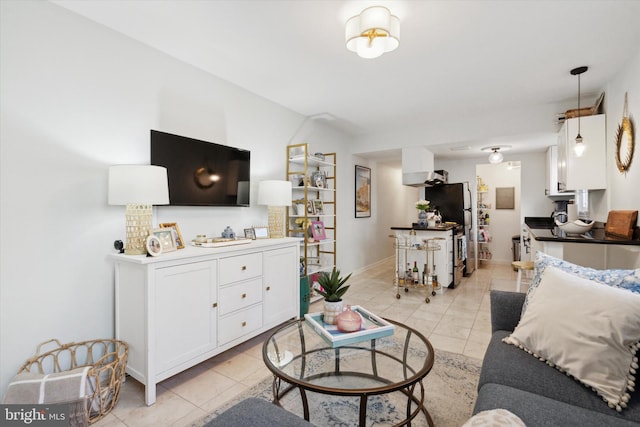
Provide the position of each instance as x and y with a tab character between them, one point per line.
405	245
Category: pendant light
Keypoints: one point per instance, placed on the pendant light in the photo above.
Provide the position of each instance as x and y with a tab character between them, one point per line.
579	146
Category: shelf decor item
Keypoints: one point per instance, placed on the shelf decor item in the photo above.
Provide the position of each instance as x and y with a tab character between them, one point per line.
371	327
333	288
422	206
276	195
138	187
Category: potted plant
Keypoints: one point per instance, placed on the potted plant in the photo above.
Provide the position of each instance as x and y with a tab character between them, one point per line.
332	290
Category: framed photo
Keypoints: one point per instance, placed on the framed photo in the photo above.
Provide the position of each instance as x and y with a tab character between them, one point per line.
154	247
363	192
250	233
310	209
177	235
167	241
318	207
317	230
319	179
261	232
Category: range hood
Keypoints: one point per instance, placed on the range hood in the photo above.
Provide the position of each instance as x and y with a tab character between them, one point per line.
424	179
418	170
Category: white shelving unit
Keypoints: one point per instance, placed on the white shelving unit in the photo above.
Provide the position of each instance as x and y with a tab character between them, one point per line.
313	179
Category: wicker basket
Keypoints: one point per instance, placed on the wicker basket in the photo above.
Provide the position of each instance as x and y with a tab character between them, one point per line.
107	359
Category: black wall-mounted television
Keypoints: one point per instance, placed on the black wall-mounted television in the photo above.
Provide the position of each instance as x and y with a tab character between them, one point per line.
202	173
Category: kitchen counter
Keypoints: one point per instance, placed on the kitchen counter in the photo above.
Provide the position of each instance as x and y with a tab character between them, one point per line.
443	227
544	229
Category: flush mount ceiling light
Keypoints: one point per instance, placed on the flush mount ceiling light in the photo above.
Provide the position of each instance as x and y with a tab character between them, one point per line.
578	149
496	156
374	32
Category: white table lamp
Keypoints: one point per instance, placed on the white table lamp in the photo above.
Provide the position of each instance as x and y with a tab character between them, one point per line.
276	195
138	187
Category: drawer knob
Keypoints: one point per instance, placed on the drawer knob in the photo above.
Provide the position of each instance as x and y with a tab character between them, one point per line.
244	296
244	324
244	267
215	305
268	288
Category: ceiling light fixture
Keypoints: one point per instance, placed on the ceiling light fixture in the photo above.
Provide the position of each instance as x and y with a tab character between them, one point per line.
374	32
579	147
496	156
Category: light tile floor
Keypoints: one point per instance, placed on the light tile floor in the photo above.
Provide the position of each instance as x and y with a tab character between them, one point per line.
457	321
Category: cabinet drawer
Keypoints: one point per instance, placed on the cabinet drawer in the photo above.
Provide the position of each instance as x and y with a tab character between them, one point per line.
240	323
242	267
240	295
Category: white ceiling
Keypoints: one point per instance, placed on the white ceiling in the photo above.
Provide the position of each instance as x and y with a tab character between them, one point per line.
459	59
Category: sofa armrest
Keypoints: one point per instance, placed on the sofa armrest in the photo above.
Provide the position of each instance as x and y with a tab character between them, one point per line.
506	308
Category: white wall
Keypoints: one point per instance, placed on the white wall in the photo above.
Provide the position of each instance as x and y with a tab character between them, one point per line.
77	98
623	190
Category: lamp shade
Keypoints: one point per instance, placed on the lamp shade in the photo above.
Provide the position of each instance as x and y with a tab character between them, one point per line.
143	184
274	193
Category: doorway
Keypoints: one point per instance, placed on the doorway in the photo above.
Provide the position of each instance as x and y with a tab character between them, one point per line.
497	216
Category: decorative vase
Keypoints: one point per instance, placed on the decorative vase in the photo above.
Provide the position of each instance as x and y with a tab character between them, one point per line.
349	321
422	217
331	311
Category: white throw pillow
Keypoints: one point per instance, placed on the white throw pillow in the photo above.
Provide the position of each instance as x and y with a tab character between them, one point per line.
495	418
585	329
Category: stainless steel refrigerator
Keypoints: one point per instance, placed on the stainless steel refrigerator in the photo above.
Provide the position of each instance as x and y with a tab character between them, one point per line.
453	201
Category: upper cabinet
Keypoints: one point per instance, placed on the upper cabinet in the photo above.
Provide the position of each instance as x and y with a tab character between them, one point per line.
589	170
551	187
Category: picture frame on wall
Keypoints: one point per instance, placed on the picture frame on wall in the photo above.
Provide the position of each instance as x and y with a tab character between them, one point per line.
362	192
175	230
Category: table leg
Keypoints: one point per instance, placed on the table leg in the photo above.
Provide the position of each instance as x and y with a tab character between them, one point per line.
363	411
305	403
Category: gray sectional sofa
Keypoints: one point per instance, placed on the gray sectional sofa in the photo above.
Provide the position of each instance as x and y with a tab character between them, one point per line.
537	393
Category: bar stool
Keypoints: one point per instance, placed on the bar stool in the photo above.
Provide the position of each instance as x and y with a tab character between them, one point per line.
521	265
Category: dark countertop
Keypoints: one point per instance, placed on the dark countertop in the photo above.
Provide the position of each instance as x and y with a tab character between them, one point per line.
443	227
544	229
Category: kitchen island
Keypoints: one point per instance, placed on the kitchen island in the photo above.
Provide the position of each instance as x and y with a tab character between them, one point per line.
593	249
445	266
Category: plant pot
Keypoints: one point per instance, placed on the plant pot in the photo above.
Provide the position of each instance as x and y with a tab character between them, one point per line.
331	311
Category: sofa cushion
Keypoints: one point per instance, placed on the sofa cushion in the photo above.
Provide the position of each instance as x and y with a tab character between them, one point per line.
255	412
537	411
627	279
587	330
508	365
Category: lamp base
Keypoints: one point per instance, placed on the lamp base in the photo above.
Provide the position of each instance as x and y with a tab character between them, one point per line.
138	223
276	222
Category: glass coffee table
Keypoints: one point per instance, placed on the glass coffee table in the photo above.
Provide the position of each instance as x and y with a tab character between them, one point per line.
301	359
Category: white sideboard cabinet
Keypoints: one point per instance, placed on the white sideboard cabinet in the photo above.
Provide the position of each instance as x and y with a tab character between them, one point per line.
181	308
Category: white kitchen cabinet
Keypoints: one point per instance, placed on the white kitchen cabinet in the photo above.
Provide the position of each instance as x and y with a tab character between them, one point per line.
552	167
589	170
181	308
